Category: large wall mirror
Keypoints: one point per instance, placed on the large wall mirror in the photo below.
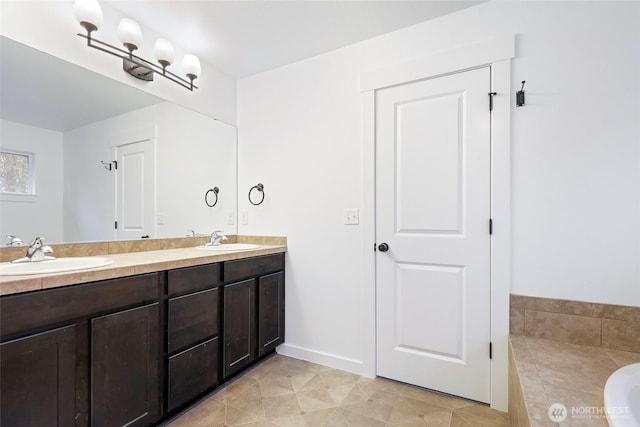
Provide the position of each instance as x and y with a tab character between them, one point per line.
81	152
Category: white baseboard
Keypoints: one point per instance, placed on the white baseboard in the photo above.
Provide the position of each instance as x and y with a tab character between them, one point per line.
326	359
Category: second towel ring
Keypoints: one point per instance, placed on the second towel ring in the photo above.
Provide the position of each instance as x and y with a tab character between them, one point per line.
260	188
215	191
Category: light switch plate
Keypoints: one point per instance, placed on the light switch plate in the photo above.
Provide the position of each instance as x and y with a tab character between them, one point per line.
244	218
160	219
351	216
231	218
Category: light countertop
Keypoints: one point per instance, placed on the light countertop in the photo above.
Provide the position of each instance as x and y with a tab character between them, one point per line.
129	264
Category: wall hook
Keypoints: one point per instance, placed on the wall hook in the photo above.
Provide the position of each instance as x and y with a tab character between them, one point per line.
109	165
260	188
215	191
520	96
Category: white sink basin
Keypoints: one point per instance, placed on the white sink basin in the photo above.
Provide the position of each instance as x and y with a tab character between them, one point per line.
57	265
229	247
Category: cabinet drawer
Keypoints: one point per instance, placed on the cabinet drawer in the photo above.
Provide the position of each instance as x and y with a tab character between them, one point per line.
31	310
252	267
192	318
192	279
192	372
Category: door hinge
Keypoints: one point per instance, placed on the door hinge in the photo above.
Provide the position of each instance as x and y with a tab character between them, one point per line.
116	225
375	248
490	350
490	226
491	95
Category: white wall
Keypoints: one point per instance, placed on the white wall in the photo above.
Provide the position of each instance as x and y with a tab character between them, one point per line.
575	160
51	27
29	217
193	154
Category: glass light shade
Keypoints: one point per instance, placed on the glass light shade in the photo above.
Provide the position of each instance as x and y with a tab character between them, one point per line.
129	33
88	11
163	50
191	66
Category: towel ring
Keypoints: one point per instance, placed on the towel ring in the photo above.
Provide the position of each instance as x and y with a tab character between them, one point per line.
260	188
213	190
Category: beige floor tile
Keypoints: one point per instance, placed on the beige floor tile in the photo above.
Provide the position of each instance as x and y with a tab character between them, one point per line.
379	407
435	398
314	382
340	392
243	388
354	396
315	400
282	406
294	421
209	413
244	411
381	385
337	377
483	416
286	392
275	384
332	417
411	412
358	420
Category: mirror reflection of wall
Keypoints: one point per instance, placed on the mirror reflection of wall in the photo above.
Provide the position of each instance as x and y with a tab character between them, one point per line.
73	120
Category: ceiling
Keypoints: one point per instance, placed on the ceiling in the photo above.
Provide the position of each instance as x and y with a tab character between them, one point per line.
241	38
36	98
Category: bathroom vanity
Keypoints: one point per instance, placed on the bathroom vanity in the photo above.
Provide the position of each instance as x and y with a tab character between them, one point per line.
135	349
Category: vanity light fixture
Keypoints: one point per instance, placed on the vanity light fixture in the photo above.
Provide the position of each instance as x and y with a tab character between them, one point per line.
89	15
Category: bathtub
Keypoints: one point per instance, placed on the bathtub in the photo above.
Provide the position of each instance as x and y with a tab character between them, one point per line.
622	397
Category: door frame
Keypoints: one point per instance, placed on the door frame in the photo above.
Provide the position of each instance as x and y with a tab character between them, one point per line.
497	54
133	135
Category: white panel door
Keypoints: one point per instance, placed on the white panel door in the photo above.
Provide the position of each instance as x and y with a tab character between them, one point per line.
135	190
433	210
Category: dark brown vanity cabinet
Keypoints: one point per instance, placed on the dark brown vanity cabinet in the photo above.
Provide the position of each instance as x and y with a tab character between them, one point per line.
253	315
82	355
193	317
134	350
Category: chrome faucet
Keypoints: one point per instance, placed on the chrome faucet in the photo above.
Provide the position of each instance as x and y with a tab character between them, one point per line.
216	237
14	240
37	250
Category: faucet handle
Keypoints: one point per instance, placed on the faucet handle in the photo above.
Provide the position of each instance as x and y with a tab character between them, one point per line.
14	240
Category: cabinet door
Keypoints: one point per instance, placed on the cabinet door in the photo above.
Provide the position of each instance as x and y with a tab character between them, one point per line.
37	375
270	312
125	367
192	372
239	326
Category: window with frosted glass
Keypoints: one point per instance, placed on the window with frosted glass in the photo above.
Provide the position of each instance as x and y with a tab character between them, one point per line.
16	172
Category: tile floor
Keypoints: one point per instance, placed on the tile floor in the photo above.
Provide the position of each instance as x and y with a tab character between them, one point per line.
282	391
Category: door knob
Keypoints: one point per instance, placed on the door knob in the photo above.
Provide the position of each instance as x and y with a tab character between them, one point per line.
383	247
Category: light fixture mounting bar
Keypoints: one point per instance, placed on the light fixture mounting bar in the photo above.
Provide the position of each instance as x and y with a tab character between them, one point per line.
126	56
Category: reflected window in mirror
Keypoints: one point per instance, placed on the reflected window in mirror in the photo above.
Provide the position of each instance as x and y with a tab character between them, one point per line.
17	171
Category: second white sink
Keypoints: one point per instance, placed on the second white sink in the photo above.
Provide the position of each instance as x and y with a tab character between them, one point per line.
57	265
229	247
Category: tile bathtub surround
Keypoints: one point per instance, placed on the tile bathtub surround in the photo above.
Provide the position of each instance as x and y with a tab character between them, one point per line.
282	391
593	324
118	247
548	372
